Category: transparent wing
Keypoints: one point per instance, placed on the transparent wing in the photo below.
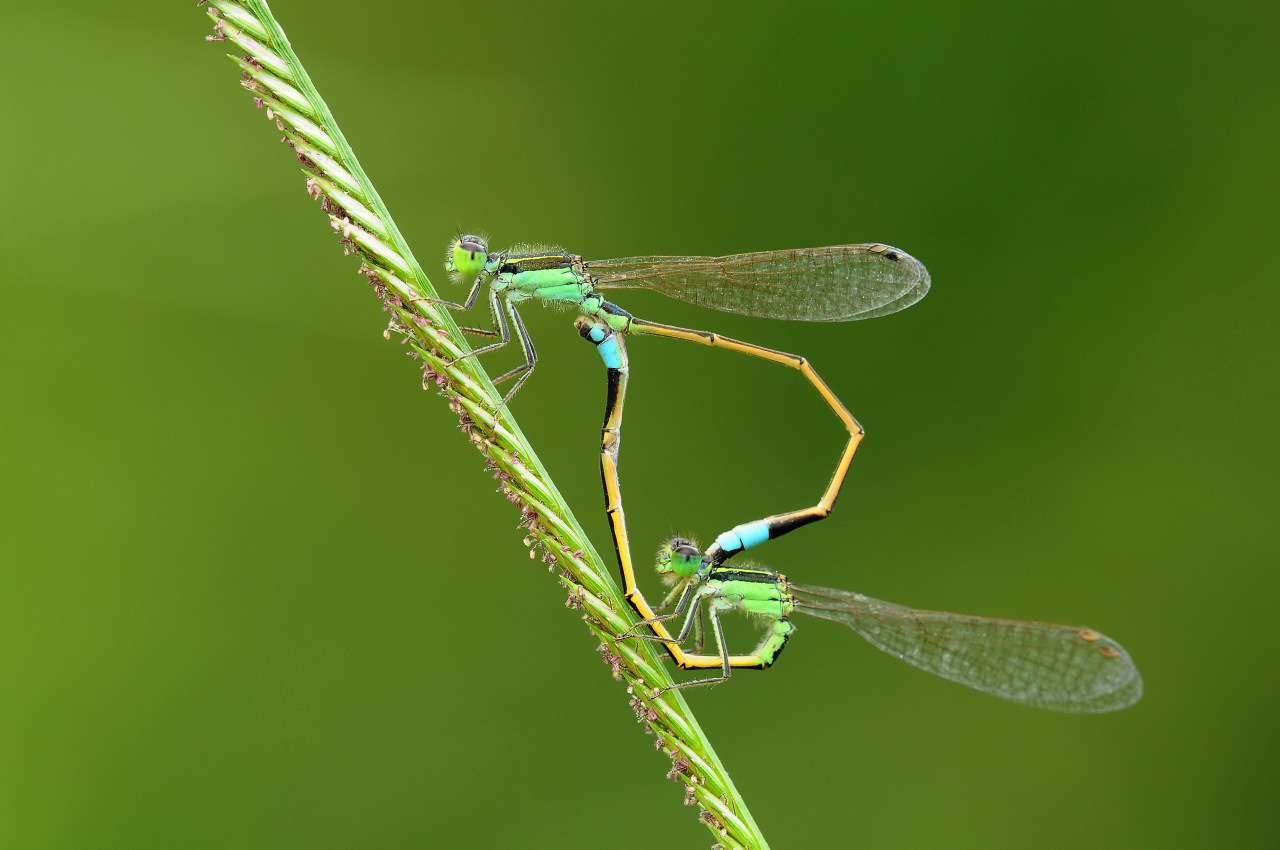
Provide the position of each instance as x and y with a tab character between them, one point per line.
1064	668
834	284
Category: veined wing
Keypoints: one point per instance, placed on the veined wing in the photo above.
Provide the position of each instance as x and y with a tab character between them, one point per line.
1064	668
839	283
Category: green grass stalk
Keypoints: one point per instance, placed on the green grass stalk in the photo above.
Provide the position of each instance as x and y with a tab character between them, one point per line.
280	86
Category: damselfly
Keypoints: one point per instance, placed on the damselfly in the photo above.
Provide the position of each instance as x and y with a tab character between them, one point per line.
833	284
1063	668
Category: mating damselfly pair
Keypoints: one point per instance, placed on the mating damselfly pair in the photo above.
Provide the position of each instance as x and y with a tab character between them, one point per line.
1065	668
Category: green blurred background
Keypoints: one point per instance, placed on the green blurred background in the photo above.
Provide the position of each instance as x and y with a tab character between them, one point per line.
256	590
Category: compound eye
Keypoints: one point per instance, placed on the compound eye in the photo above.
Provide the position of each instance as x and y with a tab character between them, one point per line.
686	550
467	256
686	559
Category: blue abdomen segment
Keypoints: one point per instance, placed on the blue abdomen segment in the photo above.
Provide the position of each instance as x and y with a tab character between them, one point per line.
605	341
610	353
743	537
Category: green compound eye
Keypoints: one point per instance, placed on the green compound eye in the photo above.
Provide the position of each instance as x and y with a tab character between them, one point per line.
467	256
686	563
679	556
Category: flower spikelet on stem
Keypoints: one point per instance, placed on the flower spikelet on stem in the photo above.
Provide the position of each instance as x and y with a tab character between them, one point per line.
281	89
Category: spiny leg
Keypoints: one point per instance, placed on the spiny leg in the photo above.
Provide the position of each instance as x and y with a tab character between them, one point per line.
726	661
699	635
478	331
465	305
499	322
688	597
694	602
530	357
673	596
496	305
749	534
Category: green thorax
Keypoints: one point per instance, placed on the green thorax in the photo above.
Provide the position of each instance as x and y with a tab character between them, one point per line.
752	591
762	593
551	274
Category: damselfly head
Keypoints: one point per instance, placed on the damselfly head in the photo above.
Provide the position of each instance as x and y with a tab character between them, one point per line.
466	257
679	556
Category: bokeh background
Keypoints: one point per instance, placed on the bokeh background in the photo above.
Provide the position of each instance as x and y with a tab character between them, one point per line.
256	590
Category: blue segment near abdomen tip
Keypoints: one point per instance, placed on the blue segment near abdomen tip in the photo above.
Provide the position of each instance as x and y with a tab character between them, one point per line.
609	351
744	536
